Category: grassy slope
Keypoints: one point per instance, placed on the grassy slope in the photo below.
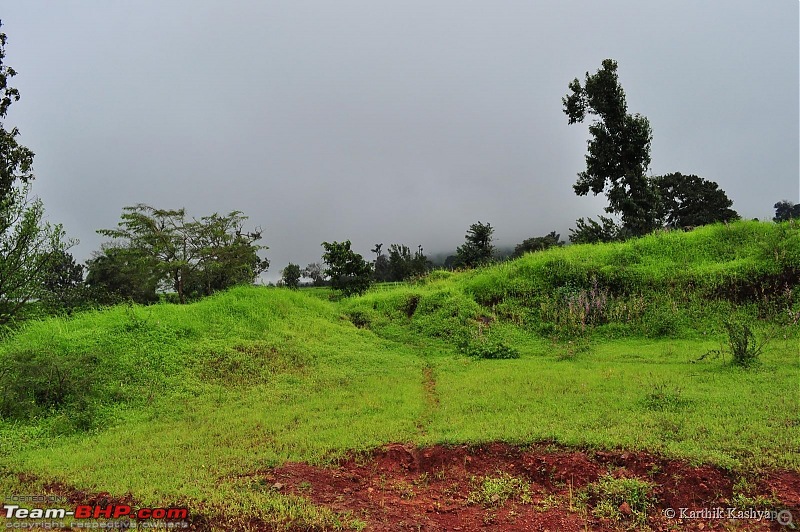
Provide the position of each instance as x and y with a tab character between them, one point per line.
186	399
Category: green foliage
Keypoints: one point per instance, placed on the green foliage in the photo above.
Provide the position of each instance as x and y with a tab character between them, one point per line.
619	149
192	257
539	243
608	494
691	201
348	270
117	274
29	249
314	272
291	275
402	265
64	288
17	160
28	244
488	349
745	348
35	384
198	396
477	248
590	232
785	211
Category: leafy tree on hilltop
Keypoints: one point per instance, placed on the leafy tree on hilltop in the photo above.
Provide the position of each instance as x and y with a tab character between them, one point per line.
192	257
619	151
786	210
539	243
477	248
688	200
348	270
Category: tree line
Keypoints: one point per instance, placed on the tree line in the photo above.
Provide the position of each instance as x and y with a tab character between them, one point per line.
158	253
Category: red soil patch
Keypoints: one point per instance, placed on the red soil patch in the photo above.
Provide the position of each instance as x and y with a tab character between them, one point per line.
400	487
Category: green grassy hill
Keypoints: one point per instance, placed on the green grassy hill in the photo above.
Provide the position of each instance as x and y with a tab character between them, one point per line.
605	346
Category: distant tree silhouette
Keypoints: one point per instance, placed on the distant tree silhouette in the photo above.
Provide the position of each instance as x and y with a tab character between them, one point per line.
538	243
477	248
786	210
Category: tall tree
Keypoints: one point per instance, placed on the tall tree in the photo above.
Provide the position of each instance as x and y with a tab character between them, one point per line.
477	248
28	244
688	200
619	151
16	166
348	270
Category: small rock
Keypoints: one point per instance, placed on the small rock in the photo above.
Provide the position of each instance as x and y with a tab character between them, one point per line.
278	486
700	526
625	509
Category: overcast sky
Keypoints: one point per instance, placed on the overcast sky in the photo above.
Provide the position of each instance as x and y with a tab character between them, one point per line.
394	122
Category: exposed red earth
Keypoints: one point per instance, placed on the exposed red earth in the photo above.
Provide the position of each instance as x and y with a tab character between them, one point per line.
401	487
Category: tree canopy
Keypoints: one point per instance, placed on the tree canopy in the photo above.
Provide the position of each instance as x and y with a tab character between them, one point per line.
477	248
290	275
786	210
348	270
688	200
538	243
619	151
193	257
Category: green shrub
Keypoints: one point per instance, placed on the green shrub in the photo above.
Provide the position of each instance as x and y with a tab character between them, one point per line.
491	349
38	383
744	347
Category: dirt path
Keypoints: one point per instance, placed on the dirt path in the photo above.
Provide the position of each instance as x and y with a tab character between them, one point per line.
431	398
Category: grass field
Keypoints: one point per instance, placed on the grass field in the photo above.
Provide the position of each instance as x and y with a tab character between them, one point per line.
618	346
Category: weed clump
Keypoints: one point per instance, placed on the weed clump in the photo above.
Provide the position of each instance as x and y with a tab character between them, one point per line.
619	499
495	491
744	347
665	397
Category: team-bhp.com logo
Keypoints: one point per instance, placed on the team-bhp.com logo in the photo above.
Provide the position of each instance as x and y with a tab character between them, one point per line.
85	511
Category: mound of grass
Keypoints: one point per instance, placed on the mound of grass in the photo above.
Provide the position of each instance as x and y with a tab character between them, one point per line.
603	346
